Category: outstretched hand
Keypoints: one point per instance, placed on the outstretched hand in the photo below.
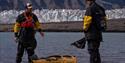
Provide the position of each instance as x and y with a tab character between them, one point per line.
16	39
42	34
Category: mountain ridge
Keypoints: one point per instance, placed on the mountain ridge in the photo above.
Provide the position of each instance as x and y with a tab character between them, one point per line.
57	4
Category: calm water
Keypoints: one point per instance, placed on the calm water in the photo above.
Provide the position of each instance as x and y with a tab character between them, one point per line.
58	43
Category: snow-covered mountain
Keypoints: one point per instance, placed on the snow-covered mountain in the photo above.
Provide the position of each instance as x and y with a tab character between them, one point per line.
58	15
58	10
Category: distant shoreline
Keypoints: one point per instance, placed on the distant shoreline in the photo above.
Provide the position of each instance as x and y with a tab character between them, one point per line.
113	25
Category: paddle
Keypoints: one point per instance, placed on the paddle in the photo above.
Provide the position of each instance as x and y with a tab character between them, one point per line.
79	43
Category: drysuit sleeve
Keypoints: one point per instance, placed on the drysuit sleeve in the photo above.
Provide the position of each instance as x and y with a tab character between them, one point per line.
17	25
37	23
87	19
104	18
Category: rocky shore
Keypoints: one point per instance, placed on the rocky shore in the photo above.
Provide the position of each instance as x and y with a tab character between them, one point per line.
113	25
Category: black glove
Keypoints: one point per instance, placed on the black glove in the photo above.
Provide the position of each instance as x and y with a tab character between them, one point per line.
16	37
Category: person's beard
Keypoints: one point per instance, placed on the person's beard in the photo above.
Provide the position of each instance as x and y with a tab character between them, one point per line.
88	4
28	13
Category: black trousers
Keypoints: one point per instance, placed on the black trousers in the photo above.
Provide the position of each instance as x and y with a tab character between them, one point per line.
28	46
93	49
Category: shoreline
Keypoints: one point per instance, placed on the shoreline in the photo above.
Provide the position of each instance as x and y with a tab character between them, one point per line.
113	25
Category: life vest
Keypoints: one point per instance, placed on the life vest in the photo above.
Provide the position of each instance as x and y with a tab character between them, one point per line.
28	23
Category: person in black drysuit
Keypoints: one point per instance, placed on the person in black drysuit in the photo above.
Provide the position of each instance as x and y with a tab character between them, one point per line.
92	27
25	27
